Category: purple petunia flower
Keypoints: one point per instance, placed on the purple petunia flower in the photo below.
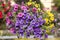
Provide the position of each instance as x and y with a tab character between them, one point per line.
27	22
27	34
33	21
12	30
36	24
17	23
15	7
30	27
46	35
41	23
24	17
20	14
21	31
21	21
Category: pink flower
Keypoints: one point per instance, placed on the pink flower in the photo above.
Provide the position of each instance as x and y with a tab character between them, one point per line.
15	7
23	7
34	9
7	21
9	14
12	30
20	14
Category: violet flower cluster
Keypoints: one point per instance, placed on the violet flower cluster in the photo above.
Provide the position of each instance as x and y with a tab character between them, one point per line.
27	23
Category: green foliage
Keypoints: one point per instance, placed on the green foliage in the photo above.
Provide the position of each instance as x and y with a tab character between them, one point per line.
57	4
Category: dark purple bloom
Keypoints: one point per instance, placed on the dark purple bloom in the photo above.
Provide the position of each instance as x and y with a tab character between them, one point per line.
41	23
44	31
24	17
46	35
36	24
29	16
35	14
35	17
53	31
17	23
28	20
37	29
21	31
40	18
25	11
21	21
33	21
30	27
27	33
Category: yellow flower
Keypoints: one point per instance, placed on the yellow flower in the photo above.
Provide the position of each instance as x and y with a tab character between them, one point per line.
33	3
39	5
51	25
39	9
47	31
51	15
46	20
29	3
48	11
50	21
52	18
36	5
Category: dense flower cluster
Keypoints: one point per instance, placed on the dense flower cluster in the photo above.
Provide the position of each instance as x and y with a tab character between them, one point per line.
49	21
33	4
27	23
26	19
4	8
